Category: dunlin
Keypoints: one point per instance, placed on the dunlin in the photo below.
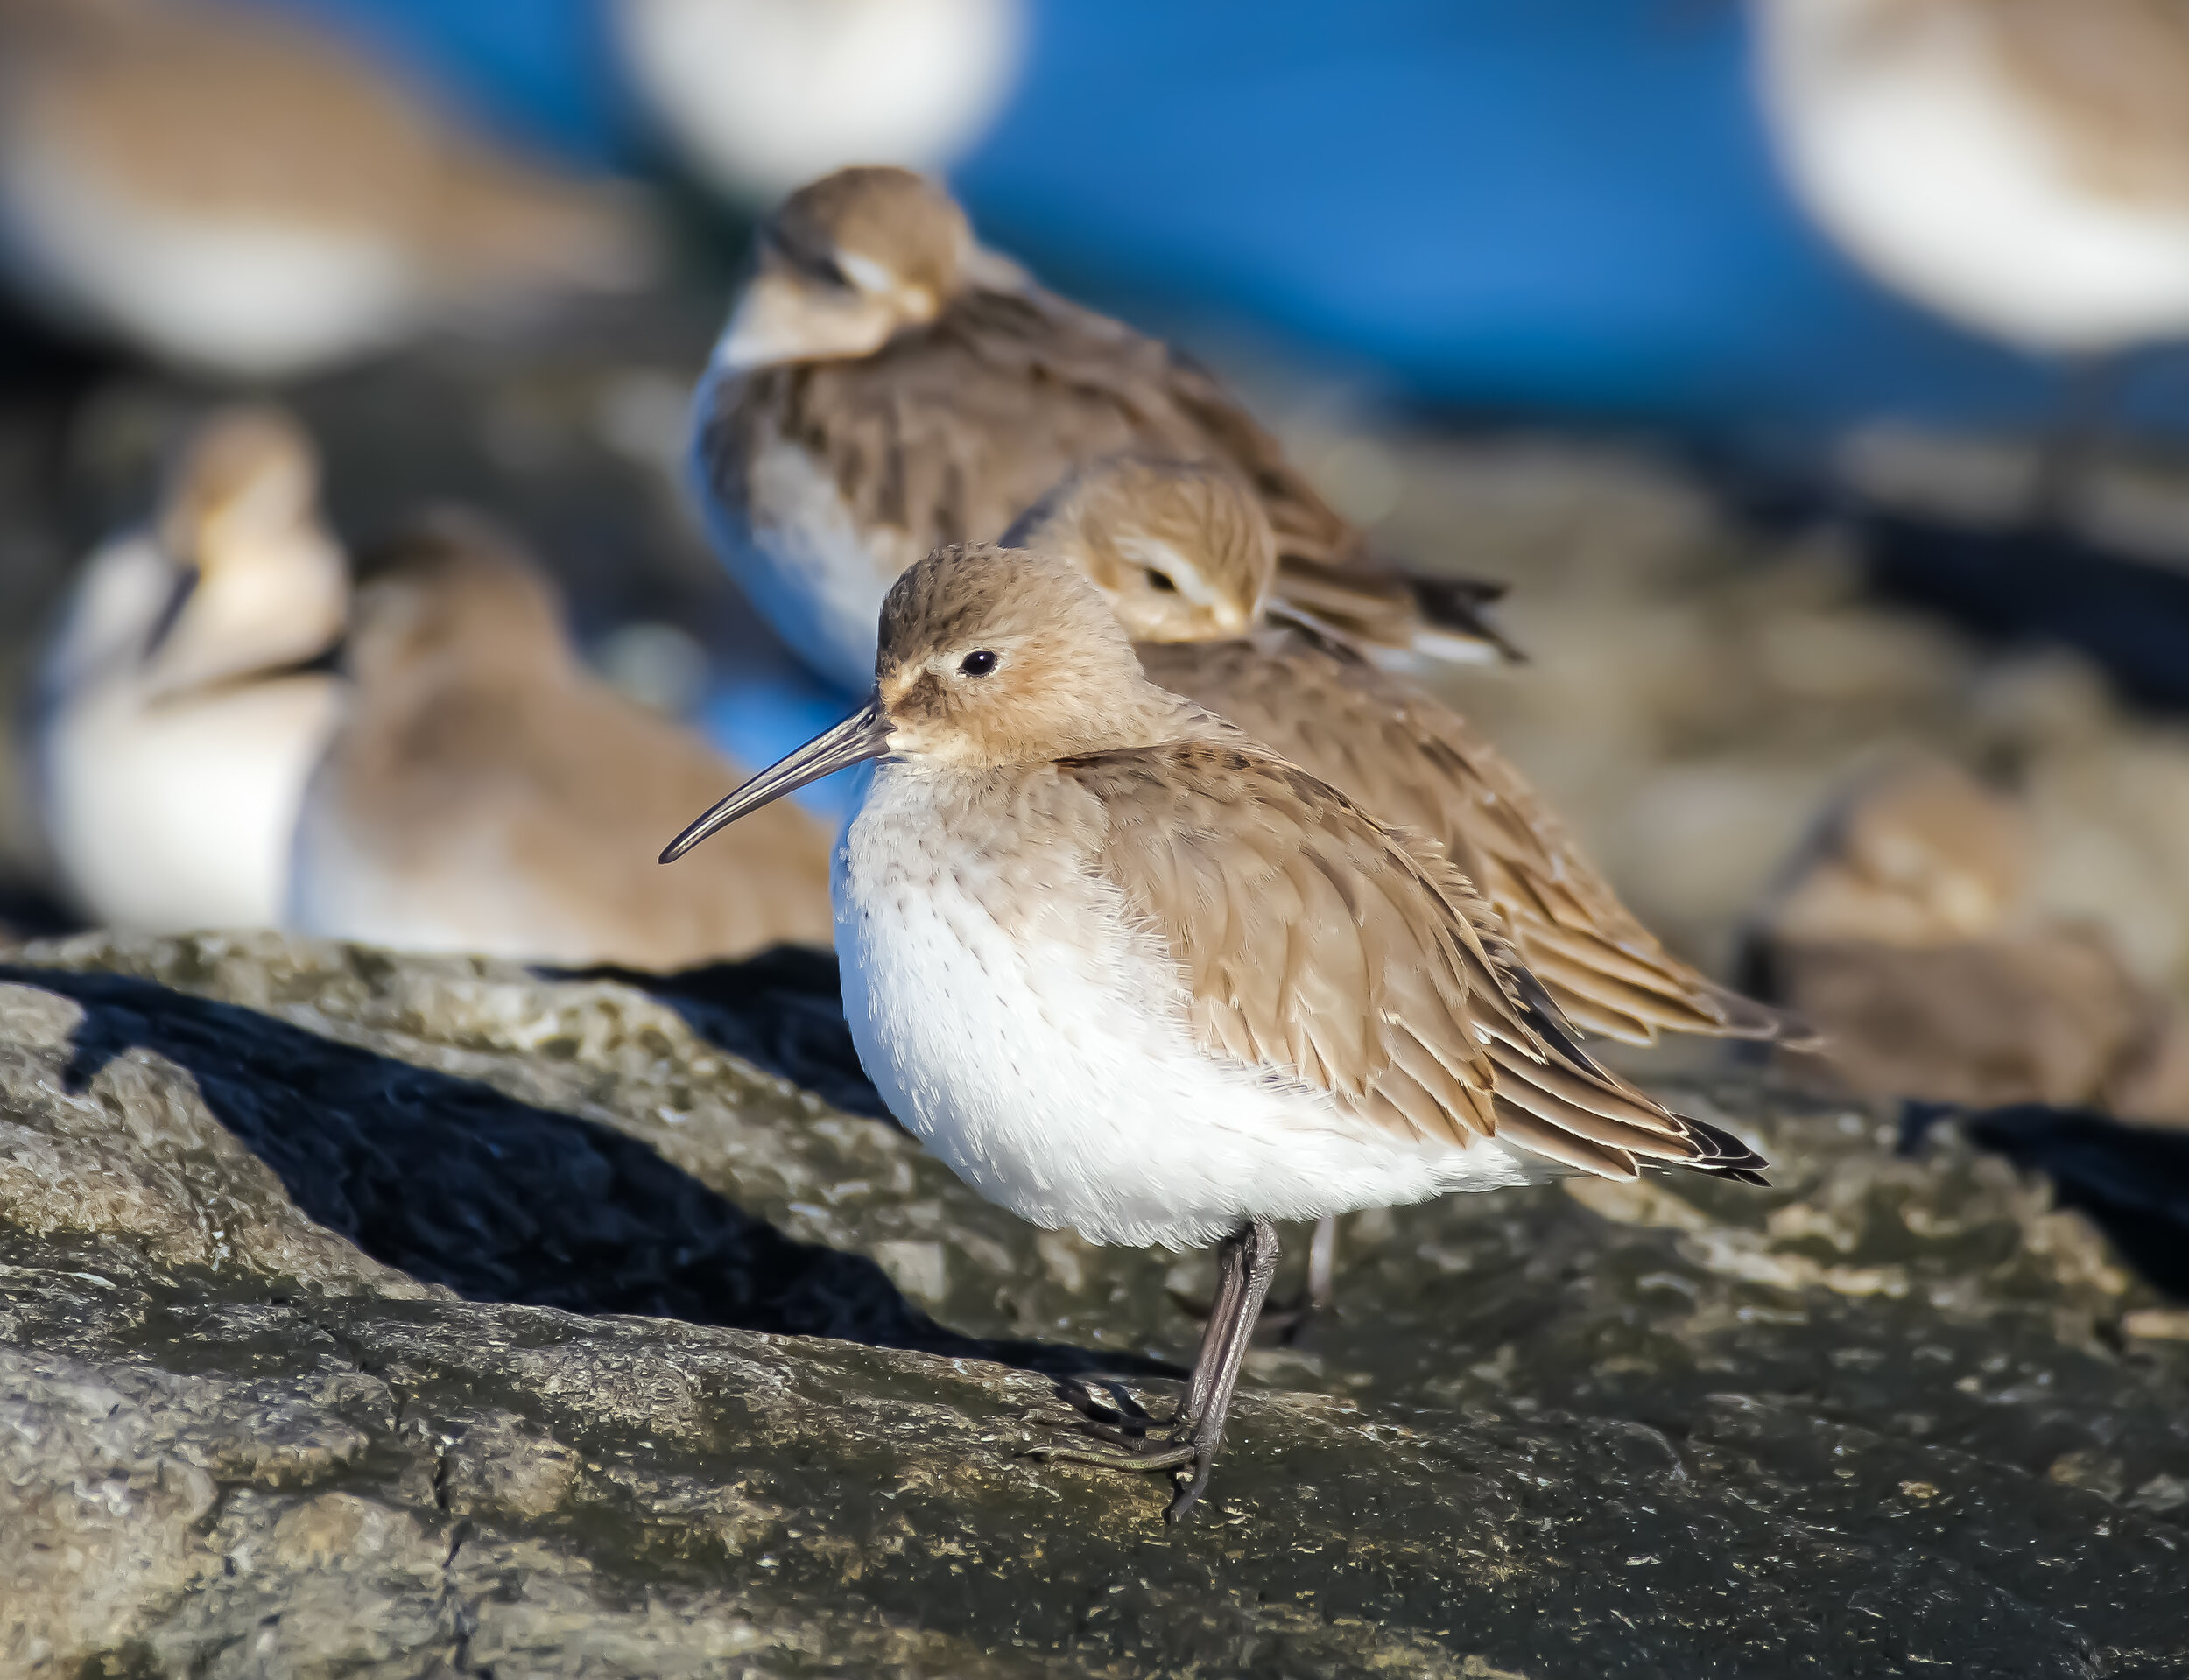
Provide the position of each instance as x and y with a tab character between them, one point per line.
2020	165
234	190
177	718
1917	855
886	385
486	795
1185	558
762	95
1127	971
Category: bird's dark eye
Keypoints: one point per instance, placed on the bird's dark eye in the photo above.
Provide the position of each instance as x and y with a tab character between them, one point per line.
978	663
1160	582
814	264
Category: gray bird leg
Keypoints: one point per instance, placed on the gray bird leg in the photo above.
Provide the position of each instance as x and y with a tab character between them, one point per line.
1322	1264
1245	1265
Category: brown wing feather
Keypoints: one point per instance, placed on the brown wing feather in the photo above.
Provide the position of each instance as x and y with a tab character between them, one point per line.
1420	764
1315	942
950	432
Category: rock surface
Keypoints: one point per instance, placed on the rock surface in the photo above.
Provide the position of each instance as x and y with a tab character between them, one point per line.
321	1277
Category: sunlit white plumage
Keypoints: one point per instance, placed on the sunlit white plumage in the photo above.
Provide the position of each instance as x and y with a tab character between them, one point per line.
1045	1055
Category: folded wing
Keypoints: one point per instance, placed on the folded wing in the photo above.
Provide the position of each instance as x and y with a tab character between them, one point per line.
1317	944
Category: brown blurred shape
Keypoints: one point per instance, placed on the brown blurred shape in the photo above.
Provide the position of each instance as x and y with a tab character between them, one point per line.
234	189
1903	930
488	794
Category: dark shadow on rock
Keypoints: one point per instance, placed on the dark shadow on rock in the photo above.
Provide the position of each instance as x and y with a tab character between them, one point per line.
28	913
2131	1182
2130	616
456	1184
782	1010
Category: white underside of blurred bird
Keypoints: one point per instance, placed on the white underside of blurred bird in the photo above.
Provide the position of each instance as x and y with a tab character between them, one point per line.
172	739
1908	137
762	95
254	298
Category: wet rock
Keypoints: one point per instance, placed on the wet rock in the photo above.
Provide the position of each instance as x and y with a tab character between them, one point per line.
1894	1412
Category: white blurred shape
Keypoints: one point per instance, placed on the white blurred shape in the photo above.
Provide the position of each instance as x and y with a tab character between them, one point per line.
643	416
2021	167
660	666
763	95
173	737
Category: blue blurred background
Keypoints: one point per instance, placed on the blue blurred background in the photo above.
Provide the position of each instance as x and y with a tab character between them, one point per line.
1542	207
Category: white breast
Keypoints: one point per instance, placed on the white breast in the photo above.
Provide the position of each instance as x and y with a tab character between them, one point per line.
1014	1021
801	558
1914	149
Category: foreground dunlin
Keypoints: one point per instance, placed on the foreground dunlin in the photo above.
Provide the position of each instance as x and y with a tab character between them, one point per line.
886	385
486	795
1185	559
179	713
1128	972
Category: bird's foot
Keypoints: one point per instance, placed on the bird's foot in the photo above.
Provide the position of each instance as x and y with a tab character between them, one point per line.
1139	1446
1121	1434
1176	1449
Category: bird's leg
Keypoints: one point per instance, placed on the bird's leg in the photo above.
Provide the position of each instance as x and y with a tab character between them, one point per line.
1246	1263
1259	1246
1320	1289
1231	1282
2071	448
1231	1288
1322	1264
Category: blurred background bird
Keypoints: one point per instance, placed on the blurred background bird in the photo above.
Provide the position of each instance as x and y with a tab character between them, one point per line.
2021	167
886	386
486	794
1906	925
236	191
760	97
176	720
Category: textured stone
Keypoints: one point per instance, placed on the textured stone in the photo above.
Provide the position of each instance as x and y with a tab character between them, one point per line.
318	1352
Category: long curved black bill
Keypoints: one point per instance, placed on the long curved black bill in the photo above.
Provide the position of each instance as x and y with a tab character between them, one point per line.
862	735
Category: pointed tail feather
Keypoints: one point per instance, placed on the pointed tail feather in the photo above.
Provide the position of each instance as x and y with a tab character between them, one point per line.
1724	1156
1455	606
